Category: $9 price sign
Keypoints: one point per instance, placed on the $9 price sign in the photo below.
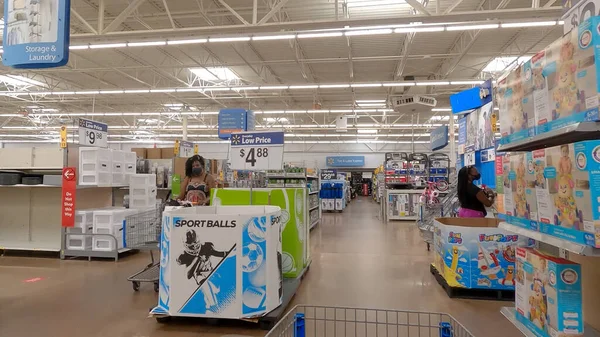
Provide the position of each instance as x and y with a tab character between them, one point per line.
257	151
93	133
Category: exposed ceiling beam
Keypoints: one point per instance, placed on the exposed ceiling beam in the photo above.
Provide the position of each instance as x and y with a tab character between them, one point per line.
273	11
550	13
452	7
123	16
550	3
418	7
84	22
236	14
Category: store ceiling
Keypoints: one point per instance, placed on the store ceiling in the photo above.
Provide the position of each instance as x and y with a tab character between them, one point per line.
135	74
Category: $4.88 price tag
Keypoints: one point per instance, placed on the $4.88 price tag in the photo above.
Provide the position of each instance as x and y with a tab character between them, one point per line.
257	151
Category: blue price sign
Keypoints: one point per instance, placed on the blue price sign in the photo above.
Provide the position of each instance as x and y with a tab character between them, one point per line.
36	33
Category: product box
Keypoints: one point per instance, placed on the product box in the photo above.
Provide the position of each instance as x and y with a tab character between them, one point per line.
548	295
568	196
294	216
153	153
475	253
167	153
520	203
556	88
515	101
222	262
339	204
140	153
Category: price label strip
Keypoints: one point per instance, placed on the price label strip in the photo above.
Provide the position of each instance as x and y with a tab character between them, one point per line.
257	151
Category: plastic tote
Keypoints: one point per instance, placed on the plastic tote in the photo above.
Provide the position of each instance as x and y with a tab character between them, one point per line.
220	261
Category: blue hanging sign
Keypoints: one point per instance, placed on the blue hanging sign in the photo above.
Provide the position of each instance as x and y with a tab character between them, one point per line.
36	33
473	98
439	138
233	121
345	161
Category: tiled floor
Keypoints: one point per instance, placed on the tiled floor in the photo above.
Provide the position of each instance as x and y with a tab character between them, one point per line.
358	261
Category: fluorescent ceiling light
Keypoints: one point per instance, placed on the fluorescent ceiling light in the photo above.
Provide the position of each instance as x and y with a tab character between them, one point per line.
419	29
371	101
373	3
229	39
529	24
173	105
273	87
214	74
440	118
365	85
433	83
137	91
188	90
146	44
275	120
217	89
273	37
366	131
399	84
112	91
317	35
441	109
245	88
108	45
500	63
163	90
372	104
465	82
304	86
89	92
368	32
79	47
472	27
193	41
16	80
332	86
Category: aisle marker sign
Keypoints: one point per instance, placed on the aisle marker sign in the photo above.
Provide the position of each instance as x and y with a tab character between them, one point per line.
256	151
69	187
93	133
63	137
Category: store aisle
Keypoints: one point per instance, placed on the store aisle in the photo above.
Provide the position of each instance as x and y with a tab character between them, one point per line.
357	261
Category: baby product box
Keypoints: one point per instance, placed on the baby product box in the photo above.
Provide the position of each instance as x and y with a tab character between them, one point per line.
475	253
548	296
220	261
569	196
556	88
515	101
519	198
566	86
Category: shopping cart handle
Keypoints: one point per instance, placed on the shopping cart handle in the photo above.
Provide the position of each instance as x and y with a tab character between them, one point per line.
445	329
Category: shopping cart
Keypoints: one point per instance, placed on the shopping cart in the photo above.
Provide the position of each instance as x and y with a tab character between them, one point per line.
445	206
319	321
142	231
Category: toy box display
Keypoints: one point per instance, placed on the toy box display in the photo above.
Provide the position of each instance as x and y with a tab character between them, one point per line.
294	216
548	295
520	202
474	253
220	261
557	87
568	192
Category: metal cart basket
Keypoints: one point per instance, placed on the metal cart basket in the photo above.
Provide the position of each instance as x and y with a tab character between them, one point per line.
319	321
142	231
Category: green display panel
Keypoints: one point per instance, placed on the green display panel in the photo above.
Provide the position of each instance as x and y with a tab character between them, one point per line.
293	203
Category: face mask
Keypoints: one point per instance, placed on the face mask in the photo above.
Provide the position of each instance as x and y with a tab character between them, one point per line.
196	171
477	177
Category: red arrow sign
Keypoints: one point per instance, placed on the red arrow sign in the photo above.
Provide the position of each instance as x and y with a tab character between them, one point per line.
69	187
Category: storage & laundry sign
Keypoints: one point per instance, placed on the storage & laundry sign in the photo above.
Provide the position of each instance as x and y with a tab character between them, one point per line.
36	33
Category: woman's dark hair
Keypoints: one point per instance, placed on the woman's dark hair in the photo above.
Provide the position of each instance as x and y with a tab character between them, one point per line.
190	162
463	184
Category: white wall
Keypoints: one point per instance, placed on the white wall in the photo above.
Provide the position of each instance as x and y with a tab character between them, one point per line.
311	154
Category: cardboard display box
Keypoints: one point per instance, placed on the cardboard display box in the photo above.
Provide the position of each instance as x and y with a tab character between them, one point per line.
153	153
474	253
141	153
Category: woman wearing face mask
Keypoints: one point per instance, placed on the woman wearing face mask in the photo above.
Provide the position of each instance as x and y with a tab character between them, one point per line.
197	183
473	200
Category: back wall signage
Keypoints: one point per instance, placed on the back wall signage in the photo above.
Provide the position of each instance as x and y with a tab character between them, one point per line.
345	161
36	33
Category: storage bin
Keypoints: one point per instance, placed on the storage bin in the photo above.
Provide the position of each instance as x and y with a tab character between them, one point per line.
107	243
95	166
84	224
144	203
142	180
130	163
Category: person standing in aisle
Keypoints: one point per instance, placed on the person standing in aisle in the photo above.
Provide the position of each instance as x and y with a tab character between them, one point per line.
197	183
473	200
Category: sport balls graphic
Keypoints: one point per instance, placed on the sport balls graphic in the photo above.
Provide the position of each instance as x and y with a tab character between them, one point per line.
287	263
252	257
257	230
